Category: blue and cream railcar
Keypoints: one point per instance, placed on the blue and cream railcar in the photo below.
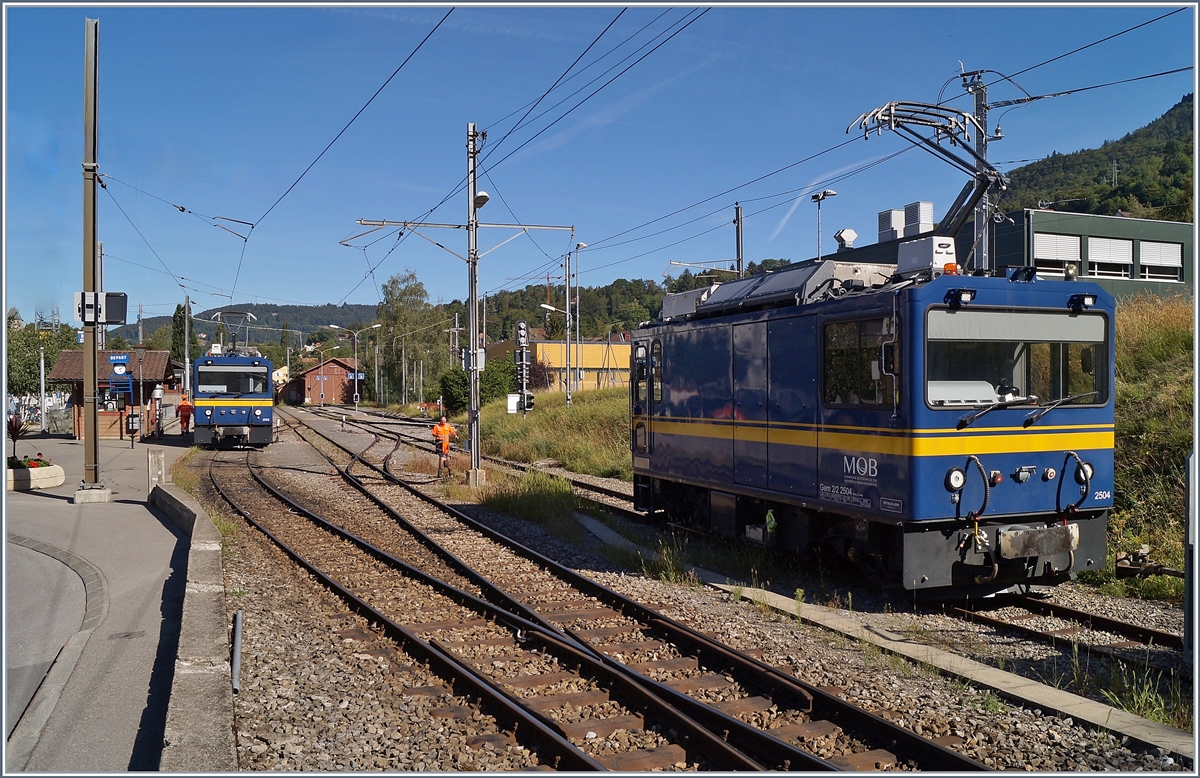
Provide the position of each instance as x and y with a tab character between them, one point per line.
940	430
233	399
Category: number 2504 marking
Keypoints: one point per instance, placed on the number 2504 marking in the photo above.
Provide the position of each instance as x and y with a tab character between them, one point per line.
1106	495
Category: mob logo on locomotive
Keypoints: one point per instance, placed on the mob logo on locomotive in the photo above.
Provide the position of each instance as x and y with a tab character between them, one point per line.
861	466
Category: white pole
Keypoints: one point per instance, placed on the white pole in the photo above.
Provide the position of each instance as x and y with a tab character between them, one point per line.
42	383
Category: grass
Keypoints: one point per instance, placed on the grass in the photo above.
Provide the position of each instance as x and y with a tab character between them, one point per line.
183	476
670	564
591	437
1153	436
1148	694
546	500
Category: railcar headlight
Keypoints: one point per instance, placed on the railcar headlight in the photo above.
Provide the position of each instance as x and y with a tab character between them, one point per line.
208	411
258	411
1083	473
955	479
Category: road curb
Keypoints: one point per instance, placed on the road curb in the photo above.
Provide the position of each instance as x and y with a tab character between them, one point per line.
37	713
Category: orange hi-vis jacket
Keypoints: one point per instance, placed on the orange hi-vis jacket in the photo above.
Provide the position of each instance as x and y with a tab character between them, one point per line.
184	408
442	433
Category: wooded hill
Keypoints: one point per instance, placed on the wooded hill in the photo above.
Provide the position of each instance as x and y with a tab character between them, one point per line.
1153	174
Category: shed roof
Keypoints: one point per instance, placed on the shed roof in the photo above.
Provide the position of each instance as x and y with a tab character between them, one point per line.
330	364
157	366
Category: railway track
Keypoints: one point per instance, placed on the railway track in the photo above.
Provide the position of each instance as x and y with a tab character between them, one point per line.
765	713
557	692
615	499
1090	634
1046	622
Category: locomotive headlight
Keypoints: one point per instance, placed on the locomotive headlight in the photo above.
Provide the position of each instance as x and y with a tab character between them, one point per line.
955	479
208	411
1083	473
258	411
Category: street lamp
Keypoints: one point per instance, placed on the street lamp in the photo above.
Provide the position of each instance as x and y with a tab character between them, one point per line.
141	353
355	333
818	198
322	378
566	346
578	361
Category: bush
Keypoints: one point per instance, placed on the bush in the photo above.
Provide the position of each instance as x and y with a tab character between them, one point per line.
456	390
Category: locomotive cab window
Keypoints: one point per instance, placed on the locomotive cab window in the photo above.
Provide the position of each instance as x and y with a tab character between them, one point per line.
639	376
860	363
231	379
981	357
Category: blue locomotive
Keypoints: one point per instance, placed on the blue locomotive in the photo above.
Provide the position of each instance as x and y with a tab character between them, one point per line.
940	430
233	399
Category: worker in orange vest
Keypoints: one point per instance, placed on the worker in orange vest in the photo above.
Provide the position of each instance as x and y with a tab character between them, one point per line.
184	410
442	432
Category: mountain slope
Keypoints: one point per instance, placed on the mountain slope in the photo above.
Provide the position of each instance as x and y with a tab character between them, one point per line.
1153	174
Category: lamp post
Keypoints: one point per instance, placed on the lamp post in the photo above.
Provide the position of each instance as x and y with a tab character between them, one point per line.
818	198
322	378
578	361
403	369
475	201
566	347
355	334
141	354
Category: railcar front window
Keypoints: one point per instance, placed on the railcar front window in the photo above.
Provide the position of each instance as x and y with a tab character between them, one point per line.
980	357
231	380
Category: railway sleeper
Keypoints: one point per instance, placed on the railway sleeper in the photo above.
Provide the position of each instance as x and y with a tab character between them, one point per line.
580	730
560	605
666	665
865	761
700	682
541	679
608	632
804	731
587	613
577	699
743	705
645	759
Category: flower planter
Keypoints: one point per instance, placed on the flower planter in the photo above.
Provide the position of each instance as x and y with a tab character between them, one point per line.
46	477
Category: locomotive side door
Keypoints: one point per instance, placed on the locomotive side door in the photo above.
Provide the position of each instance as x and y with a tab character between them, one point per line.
750	411
793	406
639	401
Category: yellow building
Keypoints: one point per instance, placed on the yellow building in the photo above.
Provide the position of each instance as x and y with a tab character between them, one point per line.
600	364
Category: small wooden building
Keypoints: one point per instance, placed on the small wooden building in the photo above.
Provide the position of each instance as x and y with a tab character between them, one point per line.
122	386
330	382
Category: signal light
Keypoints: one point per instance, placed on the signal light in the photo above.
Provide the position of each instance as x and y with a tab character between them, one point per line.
950	269
528	401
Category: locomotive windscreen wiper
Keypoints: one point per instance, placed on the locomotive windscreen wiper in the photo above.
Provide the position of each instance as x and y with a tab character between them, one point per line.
1033	417
970	417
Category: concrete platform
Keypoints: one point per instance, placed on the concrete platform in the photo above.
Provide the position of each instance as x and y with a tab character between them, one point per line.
95	599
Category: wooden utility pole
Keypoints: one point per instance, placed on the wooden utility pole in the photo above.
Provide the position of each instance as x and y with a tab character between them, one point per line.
91	441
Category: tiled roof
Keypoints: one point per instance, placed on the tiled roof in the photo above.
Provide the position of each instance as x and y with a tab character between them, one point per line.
157	366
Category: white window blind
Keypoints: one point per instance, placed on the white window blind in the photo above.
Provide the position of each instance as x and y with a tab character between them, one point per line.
1162	254
1063	248
1110	250
1162	261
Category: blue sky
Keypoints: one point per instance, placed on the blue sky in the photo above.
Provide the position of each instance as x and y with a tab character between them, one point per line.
220	110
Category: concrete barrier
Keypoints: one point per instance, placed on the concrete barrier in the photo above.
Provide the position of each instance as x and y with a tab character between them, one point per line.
199	732
25	478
